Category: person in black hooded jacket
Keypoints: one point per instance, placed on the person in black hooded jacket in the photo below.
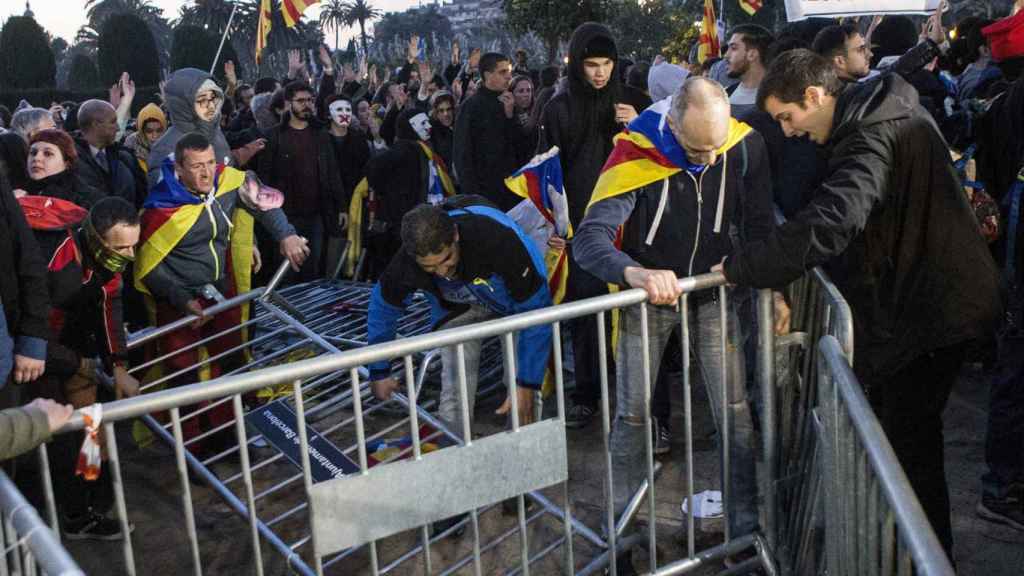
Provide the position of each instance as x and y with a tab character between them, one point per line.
919	278
581	119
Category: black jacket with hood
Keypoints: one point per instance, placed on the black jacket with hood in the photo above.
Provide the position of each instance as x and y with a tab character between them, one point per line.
581	120
180	93
918	275
484	150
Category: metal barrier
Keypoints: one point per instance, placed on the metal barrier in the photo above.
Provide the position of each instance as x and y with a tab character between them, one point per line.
30	547
873	521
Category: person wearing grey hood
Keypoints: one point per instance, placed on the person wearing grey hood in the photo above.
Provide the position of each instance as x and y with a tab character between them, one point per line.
664	79
194	101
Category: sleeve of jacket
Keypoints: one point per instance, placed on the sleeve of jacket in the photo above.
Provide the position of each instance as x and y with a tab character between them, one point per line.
22	429
114	339
593	246
274	221
462	150
758	215
325	91
265	165
549	132
824	228
388	300
32	327
916	58
164	287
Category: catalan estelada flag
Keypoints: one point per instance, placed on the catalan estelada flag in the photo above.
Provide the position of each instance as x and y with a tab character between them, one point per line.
709	46
293	9
751	6
440	184
263	28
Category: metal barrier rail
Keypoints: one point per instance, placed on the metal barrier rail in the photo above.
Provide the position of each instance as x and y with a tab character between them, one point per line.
29	546
873	521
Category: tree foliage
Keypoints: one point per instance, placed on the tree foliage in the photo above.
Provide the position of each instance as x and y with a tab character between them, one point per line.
428	23
553	20
26	60
642	28
82	76
126	45
195	47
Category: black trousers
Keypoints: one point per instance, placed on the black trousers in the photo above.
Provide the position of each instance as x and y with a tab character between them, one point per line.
581	285
909	406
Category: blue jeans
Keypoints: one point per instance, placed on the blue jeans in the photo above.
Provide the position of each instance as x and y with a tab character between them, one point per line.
627	437
1004	440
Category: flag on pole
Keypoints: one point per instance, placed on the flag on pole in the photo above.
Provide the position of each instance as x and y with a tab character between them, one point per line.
293	9
263	28
709	47
751	6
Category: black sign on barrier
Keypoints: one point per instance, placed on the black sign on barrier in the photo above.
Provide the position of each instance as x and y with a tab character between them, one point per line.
277	422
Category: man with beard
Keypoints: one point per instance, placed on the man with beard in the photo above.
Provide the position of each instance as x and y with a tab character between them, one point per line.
299	160
581	120
747	57
847	49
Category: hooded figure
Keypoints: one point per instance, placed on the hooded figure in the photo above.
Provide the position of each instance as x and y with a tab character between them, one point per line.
181	91
139	141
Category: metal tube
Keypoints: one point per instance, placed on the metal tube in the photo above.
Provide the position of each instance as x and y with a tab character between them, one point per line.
414	433
357	405
307	476
645	366
186	492
769	424
118	483
51	503
24	519
227	30
508	347
724	432
139	338
684	341
243	453
556	339
609	486
282	269
467	439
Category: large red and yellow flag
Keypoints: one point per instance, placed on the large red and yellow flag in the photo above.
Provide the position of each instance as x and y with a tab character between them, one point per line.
293	9
751	6
263	28
709	46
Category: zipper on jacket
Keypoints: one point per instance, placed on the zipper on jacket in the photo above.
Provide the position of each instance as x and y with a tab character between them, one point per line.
700	217
213	238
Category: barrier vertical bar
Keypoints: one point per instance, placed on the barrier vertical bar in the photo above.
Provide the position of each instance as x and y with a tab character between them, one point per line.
602	354
307	474
414	431
119	501
645	366
467	438
556	338
684	342
250	499
769	416
508	348
51	503
186	491
724	433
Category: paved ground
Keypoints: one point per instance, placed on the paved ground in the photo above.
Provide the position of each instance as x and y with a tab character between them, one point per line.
161	544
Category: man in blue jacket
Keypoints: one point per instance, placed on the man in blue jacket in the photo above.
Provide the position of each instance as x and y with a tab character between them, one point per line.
474	264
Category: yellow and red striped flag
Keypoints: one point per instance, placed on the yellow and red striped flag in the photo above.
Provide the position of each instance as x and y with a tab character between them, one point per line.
751	6
709	46
293	9
263	28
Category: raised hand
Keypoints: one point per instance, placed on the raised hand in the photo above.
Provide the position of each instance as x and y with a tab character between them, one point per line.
413	49
229	73
325	59
294	62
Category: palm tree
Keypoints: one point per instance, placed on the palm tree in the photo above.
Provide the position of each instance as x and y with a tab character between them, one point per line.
361	11
98	11
334	14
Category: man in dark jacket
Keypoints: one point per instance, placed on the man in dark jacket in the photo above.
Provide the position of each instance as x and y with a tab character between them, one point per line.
714	179
581	120
485	133
918	274
103	164
299	160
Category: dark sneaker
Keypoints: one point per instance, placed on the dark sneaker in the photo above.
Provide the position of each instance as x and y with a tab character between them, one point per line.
93	526
579	415
623	565
662	437
442	526
1008	511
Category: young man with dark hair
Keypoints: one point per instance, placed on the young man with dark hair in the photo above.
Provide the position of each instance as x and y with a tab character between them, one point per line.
299	160
473	263
485	133
847	49
747	55
892	214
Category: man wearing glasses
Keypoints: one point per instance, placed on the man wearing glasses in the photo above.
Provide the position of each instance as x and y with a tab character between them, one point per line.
299	161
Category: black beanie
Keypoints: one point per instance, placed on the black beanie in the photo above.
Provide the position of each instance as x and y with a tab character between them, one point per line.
601	47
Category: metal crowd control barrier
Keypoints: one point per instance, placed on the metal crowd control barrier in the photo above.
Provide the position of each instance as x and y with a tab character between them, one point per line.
873	521
30	547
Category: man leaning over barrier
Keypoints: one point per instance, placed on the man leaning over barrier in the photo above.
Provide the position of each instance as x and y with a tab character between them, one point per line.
891	213
197	235
676	184
474	264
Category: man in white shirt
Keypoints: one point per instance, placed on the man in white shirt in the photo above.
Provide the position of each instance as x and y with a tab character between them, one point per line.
747	56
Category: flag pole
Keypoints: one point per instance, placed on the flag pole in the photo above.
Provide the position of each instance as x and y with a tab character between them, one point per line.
231	18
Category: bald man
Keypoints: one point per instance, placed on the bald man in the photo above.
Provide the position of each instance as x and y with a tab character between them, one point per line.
102	163
718	191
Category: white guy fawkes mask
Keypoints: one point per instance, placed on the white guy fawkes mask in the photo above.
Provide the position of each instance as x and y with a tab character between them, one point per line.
421	125
341	112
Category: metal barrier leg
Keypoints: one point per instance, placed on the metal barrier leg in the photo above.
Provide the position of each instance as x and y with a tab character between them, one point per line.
119	501
243	452
684	340
186	492
508	347
766	381
467	438
300	419
723	429
51	503
645	347
602	352
556	339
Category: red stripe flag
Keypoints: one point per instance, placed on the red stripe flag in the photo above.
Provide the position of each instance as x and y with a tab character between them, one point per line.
263	28
293	9
751	6
709	46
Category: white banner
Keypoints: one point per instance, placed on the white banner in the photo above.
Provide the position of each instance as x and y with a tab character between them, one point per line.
800	9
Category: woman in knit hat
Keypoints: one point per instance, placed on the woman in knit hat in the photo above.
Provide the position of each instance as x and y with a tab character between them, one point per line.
151	123
51	157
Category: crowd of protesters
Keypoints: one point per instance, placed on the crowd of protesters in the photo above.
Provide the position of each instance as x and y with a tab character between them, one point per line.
894	154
